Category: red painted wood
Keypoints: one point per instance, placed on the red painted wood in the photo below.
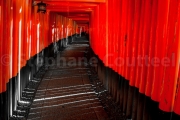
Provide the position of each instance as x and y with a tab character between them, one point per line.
24	33
150	35
1	37
135	41
123	36
160	43
120	41
145	45
130	27
171	69
139	45
73	0
177	97
15	38
121	32
151	52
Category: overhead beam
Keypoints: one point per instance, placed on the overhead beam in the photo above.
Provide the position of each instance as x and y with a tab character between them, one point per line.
91	1
81	19
75	15
71	4
70	10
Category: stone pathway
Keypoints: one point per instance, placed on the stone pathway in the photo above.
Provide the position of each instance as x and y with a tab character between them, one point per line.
65	92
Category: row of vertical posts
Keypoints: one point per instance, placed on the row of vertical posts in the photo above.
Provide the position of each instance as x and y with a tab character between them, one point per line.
140	40
134	105
25	38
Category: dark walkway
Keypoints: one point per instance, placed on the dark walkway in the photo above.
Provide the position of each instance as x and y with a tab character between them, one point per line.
65	91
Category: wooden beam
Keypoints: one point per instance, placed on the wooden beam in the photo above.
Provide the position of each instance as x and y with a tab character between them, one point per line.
91	1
